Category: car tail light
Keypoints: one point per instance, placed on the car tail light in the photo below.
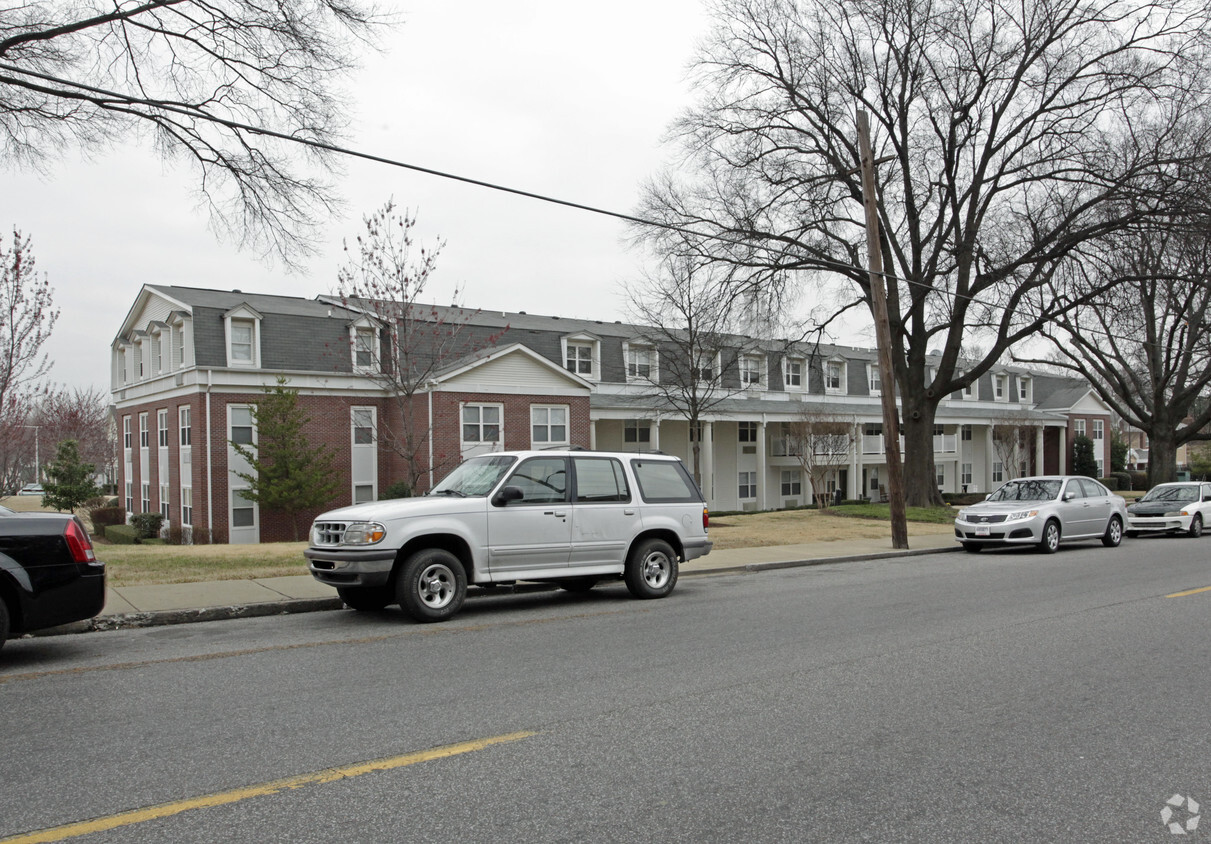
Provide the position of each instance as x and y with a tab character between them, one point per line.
706	518
78	543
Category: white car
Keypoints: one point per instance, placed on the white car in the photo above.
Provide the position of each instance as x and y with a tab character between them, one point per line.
567	517
1171	508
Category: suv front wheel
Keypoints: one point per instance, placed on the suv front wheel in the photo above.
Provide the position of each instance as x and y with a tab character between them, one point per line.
651	570
432	585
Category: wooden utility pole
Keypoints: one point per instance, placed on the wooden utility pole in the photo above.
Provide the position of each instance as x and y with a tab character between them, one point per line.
878	299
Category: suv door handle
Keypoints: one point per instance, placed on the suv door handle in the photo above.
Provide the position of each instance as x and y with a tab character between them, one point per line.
553	513
628	512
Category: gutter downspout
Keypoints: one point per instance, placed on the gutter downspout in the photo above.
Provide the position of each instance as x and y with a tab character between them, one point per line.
430	437
209	464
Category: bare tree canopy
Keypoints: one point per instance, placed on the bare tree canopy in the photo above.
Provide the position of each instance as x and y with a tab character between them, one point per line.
1145	345
195	75
1007	136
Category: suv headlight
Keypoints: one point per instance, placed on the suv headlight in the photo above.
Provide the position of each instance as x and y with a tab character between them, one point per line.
364	533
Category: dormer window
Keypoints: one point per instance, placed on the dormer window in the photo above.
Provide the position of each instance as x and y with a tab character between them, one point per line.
792	373
834	376
750	371
363	340
874	380
1023	389
641	363
972	390
582	356
704	367
243	326
1000	387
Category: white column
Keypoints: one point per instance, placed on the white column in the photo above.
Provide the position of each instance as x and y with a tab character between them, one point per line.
989	453
761	460
1038	451
592	434
855	472
1063	451
655	442
708	462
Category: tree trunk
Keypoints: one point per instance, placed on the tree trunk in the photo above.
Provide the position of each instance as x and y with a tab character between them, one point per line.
920	473
1162	458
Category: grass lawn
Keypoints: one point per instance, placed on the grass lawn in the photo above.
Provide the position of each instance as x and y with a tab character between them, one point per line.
142	565
933	515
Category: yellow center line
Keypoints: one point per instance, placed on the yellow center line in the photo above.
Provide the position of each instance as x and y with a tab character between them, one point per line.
1189	592
235	795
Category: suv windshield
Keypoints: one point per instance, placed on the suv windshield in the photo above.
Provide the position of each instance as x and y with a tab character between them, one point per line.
1027	491
1185	492
476	477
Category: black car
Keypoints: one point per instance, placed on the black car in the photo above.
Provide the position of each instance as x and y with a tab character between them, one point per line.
49	574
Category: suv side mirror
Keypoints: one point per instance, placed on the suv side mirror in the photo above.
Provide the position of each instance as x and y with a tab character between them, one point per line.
507	494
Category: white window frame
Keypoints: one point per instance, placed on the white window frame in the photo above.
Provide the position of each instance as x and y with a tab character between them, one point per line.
972	391
231	508
752	372
544	412
185	426
357	331
162	428
791	483
1078	427
1025	389
791	380
642	429
231	426
841	386
239	318
874	381
144	431
363	412
707	363
582	342
145	497
998	472
126	434
164	502
746	431
965	471
1099	430
1000	387
746	482
632	353
965	433
186	506
480	424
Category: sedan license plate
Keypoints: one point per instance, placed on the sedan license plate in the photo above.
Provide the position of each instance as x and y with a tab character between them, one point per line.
981	530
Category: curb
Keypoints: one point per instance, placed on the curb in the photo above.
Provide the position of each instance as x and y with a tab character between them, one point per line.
291	606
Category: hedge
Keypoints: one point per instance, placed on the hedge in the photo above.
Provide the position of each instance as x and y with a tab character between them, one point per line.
122	534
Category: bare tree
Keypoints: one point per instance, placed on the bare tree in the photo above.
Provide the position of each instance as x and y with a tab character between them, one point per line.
823	442
687	319
385	277
1144	346
1007	137
27	318
1011	435
80	414
229	87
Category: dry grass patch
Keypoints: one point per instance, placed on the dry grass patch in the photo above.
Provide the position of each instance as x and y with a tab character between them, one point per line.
144	565
793	527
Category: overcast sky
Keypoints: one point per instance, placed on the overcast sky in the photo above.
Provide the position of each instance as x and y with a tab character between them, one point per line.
564	99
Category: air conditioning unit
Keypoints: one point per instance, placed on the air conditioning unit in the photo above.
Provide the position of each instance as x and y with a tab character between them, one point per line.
791	502
749	505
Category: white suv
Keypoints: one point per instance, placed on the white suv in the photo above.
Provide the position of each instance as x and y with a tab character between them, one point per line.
567	517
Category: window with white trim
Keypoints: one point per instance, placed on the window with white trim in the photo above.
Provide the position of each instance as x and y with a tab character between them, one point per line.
578	358
792	482
704	367
126	435
750	370
548	425
130	501
178	347
965	433
1078	427
363	493
164	501
243	338
241	432
941	475
162	427
122	364
874	379
243	511
834	376
792	373
1099	429
999	387
146	499
183	420
144	441
641	363
748	485
187	505
365	357
1023	388
746	432
363	426
972	390
481	423
998	472
965	474
157	357
636	431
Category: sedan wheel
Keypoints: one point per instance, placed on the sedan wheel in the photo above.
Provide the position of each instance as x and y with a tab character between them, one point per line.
1114	532
1196	526
1051	537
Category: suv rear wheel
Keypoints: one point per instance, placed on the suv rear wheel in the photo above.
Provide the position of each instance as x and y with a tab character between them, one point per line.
651	570
431	586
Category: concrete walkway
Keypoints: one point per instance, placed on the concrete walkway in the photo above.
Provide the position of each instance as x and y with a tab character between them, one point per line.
179	603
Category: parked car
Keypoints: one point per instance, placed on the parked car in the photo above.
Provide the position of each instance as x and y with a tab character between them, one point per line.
30	489
1171	508
572	518
1043	511
49	574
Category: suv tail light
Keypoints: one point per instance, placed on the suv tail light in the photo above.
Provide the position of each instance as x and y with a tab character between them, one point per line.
706	518
78	543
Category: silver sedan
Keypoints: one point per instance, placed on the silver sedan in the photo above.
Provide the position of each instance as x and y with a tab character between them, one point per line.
1043	511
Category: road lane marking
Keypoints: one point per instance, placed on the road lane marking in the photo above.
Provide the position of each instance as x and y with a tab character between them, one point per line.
1189	592
235	795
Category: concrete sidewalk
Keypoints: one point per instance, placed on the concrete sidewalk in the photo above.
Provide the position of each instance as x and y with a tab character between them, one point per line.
180	603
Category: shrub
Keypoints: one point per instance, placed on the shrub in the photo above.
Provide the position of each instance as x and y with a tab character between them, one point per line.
147	524
963	499
178	535
122	534
1111	483
1139	480
1124	479
104	516
399	489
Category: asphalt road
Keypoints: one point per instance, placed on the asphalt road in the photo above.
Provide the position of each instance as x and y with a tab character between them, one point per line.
1001	697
